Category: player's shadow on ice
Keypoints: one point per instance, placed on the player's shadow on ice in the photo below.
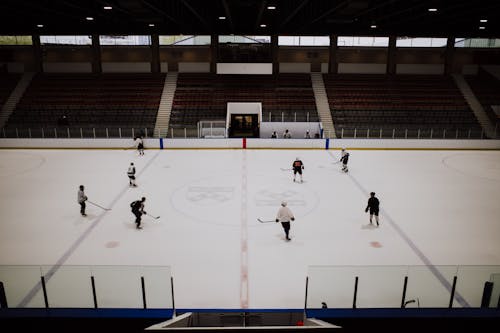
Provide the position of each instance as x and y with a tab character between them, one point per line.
368	226
281	237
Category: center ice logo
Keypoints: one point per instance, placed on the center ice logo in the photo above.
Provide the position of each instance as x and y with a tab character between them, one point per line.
274	198
209	194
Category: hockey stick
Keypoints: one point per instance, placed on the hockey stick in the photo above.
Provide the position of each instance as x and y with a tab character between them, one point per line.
93	203
265	221
155	217
283	169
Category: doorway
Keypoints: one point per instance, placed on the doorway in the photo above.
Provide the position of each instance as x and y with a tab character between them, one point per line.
244	126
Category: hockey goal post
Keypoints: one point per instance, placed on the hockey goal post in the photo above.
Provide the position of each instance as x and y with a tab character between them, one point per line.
212	129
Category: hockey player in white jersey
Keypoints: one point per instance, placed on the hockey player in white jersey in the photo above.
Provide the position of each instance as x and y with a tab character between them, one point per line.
131	175
284	216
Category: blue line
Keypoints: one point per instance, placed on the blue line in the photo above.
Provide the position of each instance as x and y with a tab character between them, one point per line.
414	247
31	294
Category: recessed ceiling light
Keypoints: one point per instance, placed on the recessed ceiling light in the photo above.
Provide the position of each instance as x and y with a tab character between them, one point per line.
263	25
432	9
151	24
107	7
271	7
222	17
89	18
373	26
483	20
40	25
482	28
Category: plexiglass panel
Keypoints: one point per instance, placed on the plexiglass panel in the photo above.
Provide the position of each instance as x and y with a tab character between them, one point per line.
22	285
68	286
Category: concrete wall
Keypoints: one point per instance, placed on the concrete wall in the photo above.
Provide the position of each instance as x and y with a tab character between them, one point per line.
126	67
295	67
419	69
67	67
362	68
194	67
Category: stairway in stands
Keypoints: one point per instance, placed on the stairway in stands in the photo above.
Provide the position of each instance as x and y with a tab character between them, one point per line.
322	105
165	107
476	107
15	96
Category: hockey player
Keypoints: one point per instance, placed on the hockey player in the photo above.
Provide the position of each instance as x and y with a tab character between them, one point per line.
297	167
138	209
81	200
140	145
284	216
131	175
373	206
344	159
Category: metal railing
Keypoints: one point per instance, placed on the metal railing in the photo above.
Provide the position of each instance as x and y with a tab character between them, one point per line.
408	133
194	132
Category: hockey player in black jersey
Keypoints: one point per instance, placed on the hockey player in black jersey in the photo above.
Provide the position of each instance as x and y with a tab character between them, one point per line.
344	159
138	209
373	206
297	167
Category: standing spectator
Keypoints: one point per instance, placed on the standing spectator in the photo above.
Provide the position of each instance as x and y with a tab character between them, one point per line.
307	136
274	135
287	134
138	209
81	200
373	206
131	175
316	135
140	145
284	216
63	121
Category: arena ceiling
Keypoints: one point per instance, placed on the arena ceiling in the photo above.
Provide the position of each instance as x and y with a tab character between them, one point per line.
458	18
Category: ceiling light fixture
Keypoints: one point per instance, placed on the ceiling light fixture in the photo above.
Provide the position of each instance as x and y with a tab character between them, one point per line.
151	24
483	20
373	26
263	25
39	25
107	7
432	9
222	17
482	28
271	7
89	18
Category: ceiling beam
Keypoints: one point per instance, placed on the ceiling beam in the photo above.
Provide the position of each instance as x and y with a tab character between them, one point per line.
325	14
228	14
195	13
162	12
263	4
293	13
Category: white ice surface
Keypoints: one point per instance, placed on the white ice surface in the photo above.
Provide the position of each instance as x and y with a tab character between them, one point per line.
446	203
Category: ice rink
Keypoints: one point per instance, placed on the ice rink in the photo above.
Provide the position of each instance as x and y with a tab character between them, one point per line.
438	208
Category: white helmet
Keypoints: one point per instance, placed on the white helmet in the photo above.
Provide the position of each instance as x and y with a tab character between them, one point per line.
297	159
283	203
